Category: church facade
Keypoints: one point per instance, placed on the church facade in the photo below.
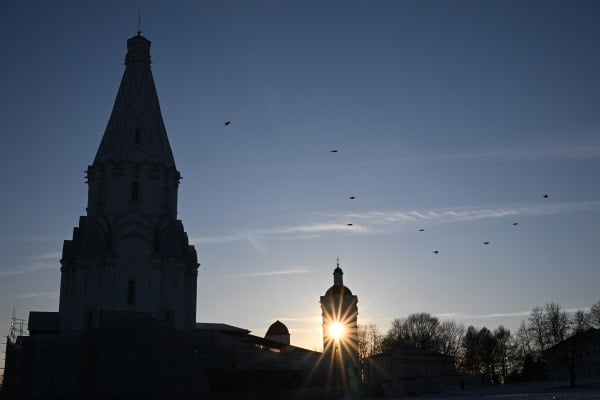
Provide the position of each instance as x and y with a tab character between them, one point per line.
126	327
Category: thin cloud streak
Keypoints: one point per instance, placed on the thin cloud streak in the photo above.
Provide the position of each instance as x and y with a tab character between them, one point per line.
37	295
24	270
553	152
45	256
380	222
297	231
460	315
291	271
30	239
562	152
483	316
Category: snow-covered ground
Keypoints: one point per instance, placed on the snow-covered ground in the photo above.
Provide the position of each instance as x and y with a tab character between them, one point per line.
535	391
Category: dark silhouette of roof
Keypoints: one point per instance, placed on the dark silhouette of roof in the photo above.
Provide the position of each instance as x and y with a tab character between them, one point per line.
338	290
219	327
277	329
135	131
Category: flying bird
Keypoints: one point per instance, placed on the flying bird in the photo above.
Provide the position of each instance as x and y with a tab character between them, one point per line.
515	223
421	230
227	123
349	224
545	196
334	151
352	197
486	242
435	252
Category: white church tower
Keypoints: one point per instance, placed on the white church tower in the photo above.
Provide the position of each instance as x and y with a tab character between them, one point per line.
339	310
130	254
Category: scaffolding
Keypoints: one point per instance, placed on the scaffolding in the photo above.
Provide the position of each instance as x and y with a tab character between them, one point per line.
18	327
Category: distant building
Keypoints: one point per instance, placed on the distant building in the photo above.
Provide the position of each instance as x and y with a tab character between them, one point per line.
576	358
409	371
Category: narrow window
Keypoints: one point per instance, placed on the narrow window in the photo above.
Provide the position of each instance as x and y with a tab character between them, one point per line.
131	293
135	190
137	135
102	193
90	318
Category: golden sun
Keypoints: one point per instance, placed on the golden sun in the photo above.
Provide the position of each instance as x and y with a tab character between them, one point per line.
336	330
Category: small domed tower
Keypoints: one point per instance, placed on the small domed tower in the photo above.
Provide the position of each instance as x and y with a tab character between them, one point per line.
278	332
340	323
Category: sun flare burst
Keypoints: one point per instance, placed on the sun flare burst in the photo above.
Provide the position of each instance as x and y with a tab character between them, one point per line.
336	330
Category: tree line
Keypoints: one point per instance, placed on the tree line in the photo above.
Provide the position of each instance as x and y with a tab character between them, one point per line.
502	355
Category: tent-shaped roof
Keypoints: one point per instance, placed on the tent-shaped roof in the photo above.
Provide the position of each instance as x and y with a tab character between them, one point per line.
135	131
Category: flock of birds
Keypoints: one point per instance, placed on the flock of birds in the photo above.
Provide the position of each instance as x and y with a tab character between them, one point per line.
545	196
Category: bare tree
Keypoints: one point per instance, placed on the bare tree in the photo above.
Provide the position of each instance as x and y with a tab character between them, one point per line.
581	321
503	345
471	361
567	335
450	337
369	341
537	327
487	353
523	339
522	353
595	314
419	330
394	335
557	323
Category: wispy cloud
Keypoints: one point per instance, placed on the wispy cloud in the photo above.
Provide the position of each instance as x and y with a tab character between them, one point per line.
384	221
30	239
5	273
45	256
574	151
510	314
289	271
295	231
38	295
529	153
460	315
378	222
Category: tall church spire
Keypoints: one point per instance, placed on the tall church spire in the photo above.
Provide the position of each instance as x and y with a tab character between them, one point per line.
130	254
135	131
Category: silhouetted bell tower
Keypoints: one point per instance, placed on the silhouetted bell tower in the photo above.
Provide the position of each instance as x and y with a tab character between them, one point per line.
339	310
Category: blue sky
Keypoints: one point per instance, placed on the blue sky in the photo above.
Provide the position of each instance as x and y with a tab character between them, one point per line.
453	117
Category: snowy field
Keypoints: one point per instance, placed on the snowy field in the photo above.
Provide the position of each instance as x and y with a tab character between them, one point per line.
536	391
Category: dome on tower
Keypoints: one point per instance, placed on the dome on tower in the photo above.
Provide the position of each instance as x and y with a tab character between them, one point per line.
338	290
277	329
